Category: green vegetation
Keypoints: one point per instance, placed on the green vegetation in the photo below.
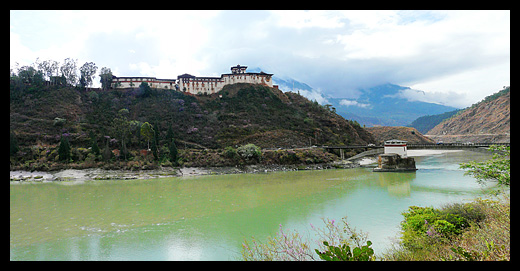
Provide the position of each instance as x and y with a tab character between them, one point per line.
250	152
335	240
48	100
478	230
343	253
496	169
426	123
64	150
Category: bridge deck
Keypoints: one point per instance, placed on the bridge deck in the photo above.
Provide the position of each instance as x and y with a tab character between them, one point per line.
423	146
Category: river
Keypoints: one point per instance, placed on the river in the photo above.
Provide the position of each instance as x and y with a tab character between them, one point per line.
208	217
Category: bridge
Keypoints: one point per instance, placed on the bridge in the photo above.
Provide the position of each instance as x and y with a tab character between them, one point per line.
420	146
409	147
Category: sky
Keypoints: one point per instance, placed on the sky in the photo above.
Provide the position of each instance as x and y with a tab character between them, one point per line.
454	58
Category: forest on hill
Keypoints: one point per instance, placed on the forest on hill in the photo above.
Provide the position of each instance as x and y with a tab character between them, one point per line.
107	123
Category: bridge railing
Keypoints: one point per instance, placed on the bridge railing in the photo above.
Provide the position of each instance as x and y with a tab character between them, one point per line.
467	145
440	145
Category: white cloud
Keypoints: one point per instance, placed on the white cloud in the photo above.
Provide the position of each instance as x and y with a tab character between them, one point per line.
307	18
19	53
467	87
335	51
347	103
313	95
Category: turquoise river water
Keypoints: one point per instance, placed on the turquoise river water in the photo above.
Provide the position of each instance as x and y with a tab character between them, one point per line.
208	217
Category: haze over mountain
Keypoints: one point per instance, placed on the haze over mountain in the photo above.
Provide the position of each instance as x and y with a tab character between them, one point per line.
385	105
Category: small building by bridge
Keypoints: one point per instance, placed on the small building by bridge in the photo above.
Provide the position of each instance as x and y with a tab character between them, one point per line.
395	158
396	146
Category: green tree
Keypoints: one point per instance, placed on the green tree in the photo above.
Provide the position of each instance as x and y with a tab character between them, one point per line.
172	147
87	72
30	75
105	78
94	146
107	154
147	132
69	71
155	142
121	125
496	169
145	89
250	152
64	150
13	145
173	152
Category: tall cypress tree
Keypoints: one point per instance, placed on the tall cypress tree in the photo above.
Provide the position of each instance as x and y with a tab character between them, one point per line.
13	145
64	150
173	152
171	146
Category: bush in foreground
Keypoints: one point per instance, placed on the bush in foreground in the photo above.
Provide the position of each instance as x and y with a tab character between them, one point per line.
334	244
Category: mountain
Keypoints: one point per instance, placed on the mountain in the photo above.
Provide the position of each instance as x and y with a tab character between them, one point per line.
426	123
485	121
385	105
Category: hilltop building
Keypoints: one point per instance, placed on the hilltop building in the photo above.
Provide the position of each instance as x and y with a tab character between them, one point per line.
198	85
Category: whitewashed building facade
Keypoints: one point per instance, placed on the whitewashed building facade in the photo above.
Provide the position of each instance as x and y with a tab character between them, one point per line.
198	85
396	146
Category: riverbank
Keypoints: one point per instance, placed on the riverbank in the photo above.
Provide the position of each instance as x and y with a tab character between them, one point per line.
164	172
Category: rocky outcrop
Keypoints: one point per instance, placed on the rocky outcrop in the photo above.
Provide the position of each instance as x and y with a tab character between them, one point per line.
394	162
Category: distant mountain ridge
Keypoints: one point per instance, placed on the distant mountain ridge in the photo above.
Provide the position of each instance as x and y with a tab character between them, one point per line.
426	123
383	105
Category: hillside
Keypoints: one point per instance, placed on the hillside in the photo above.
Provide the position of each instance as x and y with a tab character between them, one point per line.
410	134
243	114
488	120
426	123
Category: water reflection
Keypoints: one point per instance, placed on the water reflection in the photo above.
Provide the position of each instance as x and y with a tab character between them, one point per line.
397	183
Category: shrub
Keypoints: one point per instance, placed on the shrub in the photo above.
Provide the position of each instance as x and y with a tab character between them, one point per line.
64	150
250	152
291	245
343	253
59	121
497	169
230	152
